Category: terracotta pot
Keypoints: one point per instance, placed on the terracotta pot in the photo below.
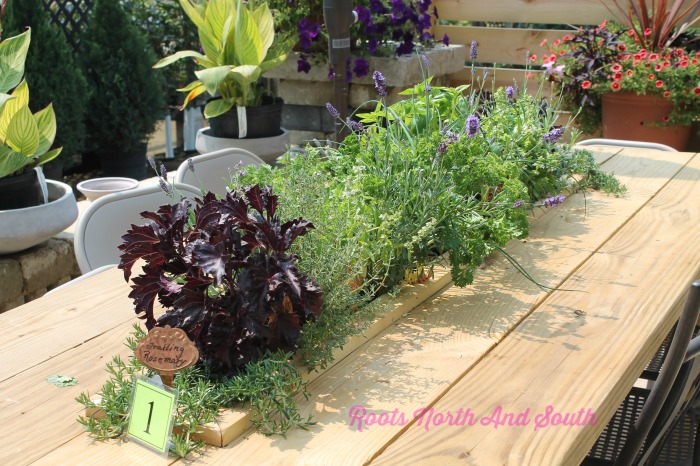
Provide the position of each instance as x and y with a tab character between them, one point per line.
628	116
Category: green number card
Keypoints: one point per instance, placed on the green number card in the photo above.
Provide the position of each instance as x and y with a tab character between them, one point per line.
152	410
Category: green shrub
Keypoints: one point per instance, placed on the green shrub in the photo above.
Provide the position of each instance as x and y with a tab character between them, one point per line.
126	99
51	73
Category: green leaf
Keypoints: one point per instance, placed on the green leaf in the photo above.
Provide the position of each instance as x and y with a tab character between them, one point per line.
201	59
217	107
23	132
11	161
247	40
12	106
13	53
266	26
194	11
4	98
47	157
62	380
213	77
46	123
218	20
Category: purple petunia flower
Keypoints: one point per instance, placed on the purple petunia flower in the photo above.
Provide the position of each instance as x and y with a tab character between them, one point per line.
379	83
445	40
553	135
372	45
518	204
510	93
472	127
331	109
554	201
473	52
307	32
377	7
361	67
405	48
303	65
364	16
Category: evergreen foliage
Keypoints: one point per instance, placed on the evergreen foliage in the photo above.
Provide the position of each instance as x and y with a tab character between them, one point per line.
126	99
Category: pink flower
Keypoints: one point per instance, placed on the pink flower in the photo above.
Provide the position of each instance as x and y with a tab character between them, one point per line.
654	56
659	83
629	73
647	32
667	94
586	85
617	76
616	67
615	86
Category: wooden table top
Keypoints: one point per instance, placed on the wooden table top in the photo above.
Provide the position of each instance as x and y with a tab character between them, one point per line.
499	349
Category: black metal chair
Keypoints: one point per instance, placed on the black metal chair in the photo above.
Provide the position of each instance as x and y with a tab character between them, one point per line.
660	426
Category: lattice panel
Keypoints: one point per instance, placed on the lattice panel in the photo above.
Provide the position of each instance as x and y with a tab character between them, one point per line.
71	16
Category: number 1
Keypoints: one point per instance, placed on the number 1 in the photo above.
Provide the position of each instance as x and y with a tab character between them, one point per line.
150	413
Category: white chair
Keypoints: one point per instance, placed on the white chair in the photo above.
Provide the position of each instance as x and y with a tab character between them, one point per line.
100	229
625	143
213	170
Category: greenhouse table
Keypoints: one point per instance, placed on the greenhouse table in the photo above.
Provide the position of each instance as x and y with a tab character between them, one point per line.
500	359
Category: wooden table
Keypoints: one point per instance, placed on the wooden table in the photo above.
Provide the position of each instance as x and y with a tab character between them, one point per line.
501	343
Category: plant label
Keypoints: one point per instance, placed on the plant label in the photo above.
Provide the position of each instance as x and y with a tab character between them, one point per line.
152	415
167	350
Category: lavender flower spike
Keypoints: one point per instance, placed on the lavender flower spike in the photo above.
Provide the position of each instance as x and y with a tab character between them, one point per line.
426	62
190	164
554	201
473	52
518	204
472	126
152	162
554	135
379	83
510	93
331	109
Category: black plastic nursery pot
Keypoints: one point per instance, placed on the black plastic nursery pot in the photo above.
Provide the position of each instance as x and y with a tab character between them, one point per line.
262	122
125	163
20	191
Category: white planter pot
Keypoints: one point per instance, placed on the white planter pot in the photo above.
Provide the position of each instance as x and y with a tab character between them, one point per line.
268	149
23	228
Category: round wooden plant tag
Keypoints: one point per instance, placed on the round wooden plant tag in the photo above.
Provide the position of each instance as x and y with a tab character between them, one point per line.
167	350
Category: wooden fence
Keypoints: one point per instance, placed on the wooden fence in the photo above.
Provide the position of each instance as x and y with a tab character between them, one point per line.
510	36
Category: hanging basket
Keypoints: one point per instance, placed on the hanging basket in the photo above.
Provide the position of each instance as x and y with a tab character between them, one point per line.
635	117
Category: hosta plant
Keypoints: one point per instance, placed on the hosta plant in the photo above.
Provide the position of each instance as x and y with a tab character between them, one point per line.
223	273
25	137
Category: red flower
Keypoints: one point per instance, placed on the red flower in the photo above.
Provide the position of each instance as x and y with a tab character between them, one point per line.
659	67
557	42
629	73
667	94
694	61
587	84
552	58
697	91
543	42
678	52
622	47
630	32
615	86
616	67
567	37
684	64
651	77
617	76
654	56
534	57
647	32
666	118
643	53
659	83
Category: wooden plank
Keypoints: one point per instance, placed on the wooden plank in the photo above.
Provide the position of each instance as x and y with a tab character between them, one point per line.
46	327
576	360
502	45
31	408
524	11
414	362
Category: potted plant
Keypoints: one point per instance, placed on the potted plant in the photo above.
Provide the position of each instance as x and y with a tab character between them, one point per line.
26	137
53	78
239	45
32	210
126	99
643	68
